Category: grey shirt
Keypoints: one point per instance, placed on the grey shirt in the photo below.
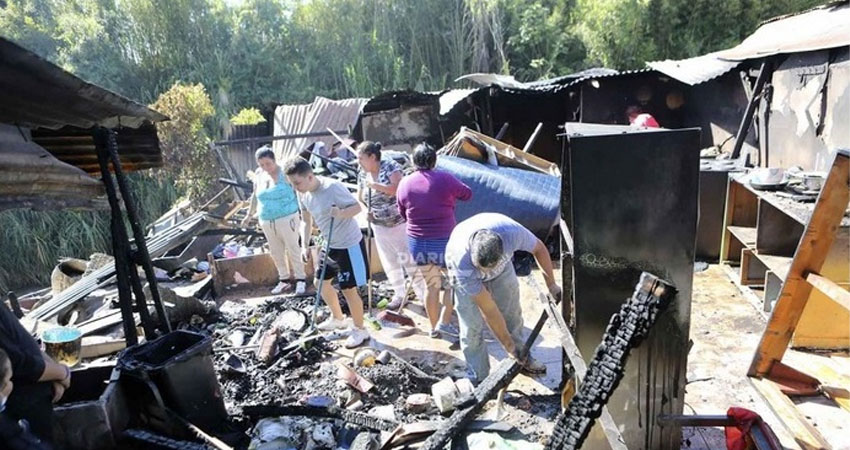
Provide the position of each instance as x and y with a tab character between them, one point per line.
467	277
346	232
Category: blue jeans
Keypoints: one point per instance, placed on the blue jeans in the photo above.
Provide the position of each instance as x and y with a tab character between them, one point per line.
505	292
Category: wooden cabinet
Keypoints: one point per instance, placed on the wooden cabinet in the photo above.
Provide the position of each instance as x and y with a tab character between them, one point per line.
761	231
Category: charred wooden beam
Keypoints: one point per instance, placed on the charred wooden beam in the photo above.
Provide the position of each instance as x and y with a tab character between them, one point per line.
138	237
120	246
505	372
352	417
626	330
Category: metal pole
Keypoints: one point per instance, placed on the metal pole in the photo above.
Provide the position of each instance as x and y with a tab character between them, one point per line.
117	224
138	235
502	132
322	273
533	137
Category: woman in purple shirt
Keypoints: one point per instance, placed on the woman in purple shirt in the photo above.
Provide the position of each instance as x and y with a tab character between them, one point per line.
426	200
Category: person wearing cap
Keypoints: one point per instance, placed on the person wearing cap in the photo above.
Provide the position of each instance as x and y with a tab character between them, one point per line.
478	256
277	210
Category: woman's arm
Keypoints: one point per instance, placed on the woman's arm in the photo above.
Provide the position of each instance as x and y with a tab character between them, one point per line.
389	189
461	191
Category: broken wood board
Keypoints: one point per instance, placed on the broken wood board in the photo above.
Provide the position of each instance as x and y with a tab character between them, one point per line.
804	434
250	271
97	346
470	144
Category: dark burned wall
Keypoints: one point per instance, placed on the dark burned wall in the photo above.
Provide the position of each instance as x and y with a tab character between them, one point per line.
809	114
604	100
523	111
717	107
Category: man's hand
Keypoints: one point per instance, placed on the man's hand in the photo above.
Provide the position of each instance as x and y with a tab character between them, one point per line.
305	254
58	391
556	292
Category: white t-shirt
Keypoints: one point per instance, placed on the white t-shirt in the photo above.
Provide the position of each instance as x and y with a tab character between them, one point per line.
346	232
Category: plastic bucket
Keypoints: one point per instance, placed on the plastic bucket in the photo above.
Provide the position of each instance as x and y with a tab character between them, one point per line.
63	344
181	366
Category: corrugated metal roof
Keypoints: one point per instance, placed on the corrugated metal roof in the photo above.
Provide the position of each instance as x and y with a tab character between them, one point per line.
61	109
820	28
30	177
452	97
323	113
394	99
38	94
694	70
487	79
566	79
508	82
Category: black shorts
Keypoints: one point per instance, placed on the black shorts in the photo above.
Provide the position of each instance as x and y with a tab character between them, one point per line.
349	265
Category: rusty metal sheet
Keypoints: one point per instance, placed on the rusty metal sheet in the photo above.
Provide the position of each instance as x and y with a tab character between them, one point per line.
318	116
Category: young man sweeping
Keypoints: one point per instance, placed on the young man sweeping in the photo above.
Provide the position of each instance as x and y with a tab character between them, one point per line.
333	207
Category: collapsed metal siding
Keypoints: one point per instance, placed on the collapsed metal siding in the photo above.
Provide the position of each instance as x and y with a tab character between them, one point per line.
809	110
323	113
241	156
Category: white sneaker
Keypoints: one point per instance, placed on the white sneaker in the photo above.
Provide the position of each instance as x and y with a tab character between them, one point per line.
300	287
333	324
282	286
357	337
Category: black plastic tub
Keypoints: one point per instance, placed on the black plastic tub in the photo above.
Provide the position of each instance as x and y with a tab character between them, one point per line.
180	364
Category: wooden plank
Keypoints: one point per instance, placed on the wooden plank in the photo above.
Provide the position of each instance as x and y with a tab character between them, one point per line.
750	275
747	235
835	383
835	292
97	346
805	435
809	257
779	265
741	209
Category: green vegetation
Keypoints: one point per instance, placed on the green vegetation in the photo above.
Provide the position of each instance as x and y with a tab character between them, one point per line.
247	116
202	61
262	53
184	140
33	241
